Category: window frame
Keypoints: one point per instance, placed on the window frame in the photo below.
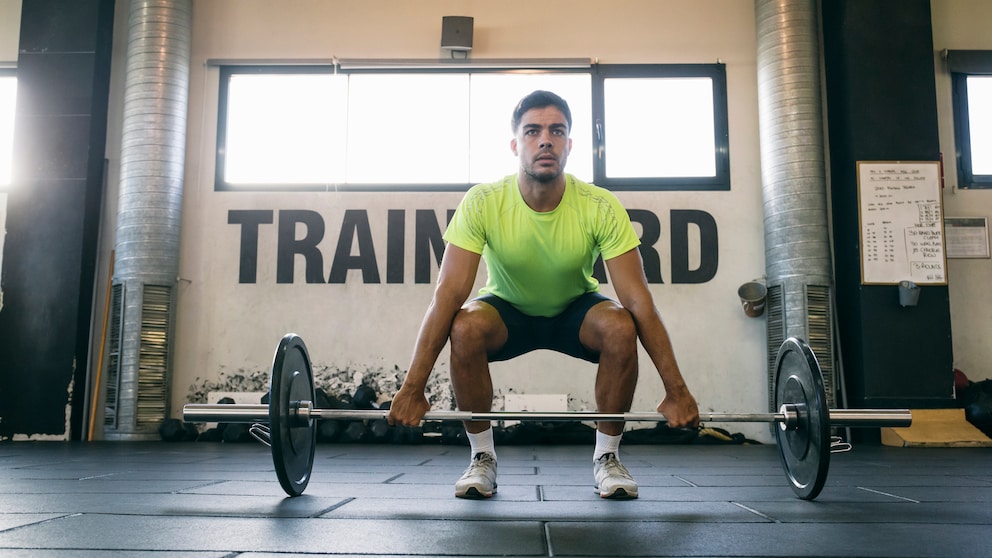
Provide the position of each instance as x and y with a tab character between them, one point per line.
963	64
598	74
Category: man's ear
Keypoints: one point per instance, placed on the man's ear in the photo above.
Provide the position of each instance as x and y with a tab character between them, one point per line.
513	146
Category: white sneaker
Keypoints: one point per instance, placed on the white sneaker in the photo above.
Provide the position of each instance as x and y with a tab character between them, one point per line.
479	480
612	479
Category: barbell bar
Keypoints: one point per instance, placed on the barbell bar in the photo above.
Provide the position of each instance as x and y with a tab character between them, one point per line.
803	435
303	411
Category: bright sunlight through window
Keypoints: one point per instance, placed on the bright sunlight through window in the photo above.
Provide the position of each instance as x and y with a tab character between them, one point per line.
494	97
286	129
980	123
408	128
387	128
637	127
659	127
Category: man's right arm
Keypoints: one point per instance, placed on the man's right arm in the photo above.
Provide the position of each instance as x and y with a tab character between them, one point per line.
456	279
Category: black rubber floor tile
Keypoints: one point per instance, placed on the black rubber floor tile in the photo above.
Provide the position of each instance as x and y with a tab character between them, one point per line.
448	478
197	474
680	493
320	489
182	505
699	479
34	473
97	486
901	479
77	553
944	494
206	500
414	537
765	539
892	512
507	492
426	468
596	509
12	518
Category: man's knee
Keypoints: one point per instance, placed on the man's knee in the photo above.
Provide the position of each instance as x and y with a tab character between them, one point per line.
611	326
477	325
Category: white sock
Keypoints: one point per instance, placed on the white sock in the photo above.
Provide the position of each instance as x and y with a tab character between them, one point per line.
606	444
482	442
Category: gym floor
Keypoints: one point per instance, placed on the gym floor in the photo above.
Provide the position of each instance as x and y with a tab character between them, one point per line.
200	499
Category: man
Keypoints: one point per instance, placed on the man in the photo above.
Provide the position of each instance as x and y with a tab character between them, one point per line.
540	232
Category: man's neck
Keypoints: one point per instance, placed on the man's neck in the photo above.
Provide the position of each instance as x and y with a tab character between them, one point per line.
541	196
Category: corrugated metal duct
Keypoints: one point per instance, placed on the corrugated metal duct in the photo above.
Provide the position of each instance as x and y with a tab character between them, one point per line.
153	145
797	246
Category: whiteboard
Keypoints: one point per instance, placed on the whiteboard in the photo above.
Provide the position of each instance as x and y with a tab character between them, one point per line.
900	214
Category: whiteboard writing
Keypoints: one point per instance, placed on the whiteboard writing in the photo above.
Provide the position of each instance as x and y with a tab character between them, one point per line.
901	223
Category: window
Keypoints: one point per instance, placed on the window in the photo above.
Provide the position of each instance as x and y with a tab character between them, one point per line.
446	128
284	128
8	97
971	82
664	127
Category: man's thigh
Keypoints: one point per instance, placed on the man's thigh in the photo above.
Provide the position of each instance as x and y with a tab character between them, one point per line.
559	333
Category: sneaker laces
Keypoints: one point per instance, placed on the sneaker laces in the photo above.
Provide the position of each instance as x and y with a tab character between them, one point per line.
613	468
480	463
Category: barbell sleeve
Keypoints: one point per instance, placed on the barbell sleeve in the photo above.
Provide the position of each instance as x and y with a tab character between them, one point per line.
855	418
238	412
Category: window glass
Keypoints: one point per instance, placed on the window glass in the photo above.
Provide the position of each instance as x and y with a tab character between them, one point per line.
286	129
980	123
647	127
494	96
408	128
661	127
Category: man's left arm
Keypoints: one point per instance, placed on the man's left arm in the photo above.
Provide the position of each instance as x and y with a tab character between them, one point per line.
631	285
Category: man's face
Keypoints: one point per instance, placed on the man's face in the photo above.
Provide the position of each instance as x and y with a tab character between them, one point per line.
542	143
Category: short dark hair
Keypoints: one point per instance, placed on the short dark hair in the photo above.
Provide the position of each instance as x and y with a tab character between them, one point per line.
540	99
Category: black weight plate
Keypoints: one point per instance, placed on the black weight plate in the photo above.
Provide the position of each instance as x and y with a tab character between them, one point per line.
805	451
293	440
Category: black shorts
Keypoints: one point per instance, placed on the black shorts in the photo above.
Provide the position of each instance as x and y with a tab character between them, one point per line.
559	333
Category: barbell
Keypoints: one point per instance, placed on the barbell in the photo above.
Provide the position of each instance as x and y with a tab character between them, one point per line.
802	436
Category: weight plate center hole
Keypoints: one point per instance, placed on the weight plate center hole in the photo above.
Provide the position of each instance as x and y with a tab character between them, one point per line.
798	438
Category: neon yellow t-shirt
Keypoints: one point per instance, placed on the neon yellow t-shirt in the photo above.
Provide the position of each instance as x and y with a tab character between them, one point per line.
540	262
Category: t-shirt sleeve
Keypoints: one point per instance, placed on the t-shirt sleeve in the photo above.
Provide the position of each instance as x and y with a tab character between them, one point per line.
617	234
466	228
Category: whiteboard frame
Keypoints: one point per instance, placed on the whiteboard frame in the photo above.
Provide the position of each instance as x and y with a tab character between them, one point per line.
933	187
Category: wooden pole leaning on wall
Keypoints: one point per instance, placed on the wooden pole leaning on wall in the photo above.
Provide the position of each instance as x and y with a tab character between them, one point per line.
95	398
